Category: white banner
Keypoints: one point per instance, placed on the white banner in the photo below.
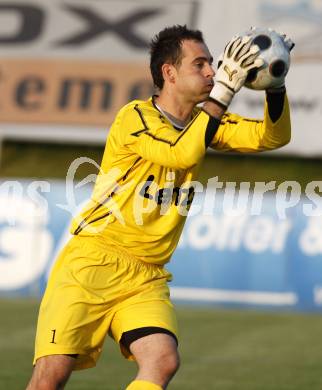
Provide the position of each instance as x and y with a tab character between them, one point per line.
97	29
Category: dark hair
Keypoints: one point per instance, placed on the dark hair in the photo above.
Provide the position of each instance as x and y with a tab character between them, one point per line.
165	47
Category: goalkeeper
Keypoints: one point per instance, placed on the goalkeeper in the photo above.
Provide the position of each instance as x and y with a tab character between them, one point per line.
110	277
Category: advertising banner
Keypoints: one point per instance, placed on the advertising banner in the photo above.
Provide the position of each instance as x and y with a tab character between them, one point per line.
113	30
76	63
238	247
67	92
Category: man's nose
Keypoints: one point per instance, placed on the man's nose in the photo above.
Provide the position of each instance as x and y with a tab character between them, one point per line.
210	71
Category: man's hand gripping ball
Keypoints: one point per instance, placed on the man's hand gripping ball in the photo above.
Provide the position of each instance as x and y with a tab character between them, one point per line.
240	56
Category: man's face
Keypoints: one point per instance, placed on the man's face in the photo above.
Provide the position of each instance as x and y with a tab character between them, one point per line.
194	76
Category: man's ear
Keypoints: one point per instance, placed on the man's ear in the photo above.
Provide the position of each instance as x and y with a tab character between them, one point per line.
168	73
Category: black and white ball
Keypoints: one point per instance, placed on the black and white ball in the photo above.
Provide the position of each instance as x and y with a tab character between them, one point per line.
276	56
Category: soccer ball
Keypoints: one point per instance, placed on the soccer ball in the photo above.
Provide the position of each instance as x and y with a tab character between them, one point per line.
276	56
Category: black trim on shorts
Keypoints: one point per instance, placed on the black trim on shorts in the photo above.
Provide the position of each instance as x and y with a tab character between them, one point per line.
135	334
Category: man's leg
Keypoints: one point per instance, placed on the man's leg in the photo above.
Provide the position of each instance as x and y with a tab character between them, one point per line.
158	360
51	372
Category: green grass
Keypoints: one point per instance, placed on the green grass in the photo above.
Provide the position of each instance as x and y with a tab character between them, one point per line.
220	349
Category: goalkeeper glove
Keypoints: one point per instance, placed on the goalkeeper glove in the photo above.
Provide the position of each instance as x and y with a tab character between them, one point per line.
240	56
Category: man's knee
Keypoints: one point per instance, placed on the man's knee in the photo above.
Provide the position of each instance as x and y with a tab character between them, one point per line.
157	353
169	362
165	362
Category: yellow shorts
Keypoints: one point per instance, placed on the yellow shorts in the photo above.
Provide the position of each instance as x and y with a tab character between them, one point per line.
93	291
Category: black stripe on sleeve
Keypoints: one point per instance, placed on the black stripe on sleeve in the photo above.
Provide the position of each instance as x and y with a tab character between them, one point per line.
275	104
211	130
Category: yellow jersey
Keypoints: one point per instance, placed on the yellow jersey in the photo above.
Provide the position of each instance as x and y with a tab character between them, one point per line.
145	187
